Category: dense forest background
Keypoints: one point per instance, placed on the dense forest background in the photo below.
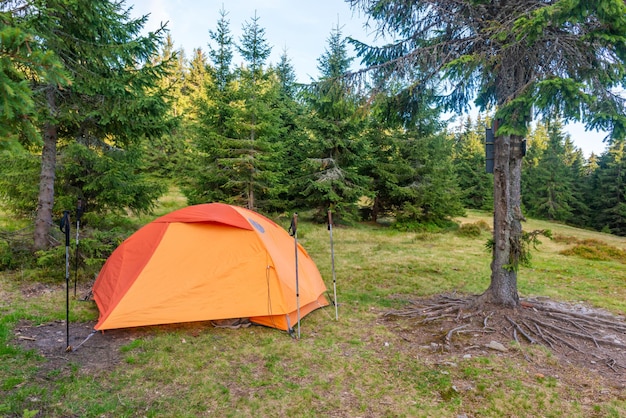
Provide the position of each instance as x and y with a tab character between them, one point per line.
130	117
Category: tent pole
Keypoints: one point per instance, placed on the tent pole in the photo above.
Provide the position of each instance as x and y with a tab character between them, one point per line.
65	228
332	258
294	232
79	214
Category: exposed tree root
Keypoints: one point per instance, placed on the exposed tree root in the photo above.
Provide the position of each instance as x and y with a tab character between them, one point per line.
565	329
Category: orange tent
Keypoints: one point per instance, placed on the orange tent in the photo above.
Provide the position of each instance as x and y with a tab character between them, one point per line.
207	262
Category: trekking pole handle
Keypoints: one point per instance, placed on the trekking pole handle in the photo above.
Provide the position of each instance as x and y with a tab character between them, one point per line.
330	220
65	226
293	228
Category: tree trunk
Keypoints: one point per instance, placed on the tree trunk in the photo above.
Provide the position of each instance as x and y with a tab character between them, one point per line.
507	226
250	196
43	222
375	209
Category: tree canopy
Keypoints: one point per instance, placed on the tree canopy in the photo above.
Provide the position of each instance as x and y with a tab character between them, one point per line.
556	57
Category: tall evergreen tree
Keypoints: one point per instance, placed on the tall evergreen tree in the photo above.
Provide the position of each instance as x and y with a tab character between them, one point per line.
553	180
253	46
609	203
22	61
195	81
433	192
206	179
286	76
469	162
387	166
238	125
536	144
408	160
166	155
255	151
292	135
549	192
331	178
221	54
580	211
113	100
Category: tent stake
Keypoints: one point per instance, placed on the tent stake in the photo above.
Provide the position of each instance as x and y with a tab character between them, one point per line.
294	232
332	258
65	228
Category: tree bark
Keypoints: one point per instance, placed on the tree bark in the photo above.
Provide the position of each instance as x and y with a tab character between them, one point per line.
43	221
375	209
507	226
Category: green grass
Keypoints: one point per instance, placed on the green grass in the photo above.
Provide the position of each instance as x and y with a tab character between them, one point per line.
352	367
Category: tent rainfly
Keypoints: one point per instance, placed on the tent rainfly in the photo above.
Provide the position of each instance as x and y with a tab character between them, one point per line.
207	262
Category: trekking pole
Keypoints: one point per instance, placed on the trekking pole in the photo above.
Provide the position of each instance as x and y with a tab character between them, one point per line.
65	228
79	214
294	232
332	258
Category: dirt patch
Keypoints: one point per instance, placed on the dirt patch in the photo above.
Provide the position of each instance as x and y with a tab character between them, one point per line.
33	290
98	351
91	350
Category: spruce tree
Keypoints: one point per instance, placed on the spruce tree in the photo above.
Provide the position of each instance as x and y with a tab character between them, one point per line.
331	177
580	211
23	59
408	160
255	153
536	144
549	191
214	94
166	155
475	183
609	183
113	100
436	196
387	165
221	51
238	124
292	135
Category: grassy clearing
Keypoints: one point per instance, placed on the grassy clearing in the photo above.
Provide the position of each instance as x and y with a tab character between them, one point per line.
352	367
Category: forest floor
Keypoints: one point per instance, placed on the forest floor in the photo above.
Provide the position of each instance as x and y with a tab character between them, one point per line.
587	345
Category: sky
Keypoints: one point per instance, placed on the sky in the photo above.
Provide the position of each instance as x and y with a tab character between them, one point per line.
299	27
